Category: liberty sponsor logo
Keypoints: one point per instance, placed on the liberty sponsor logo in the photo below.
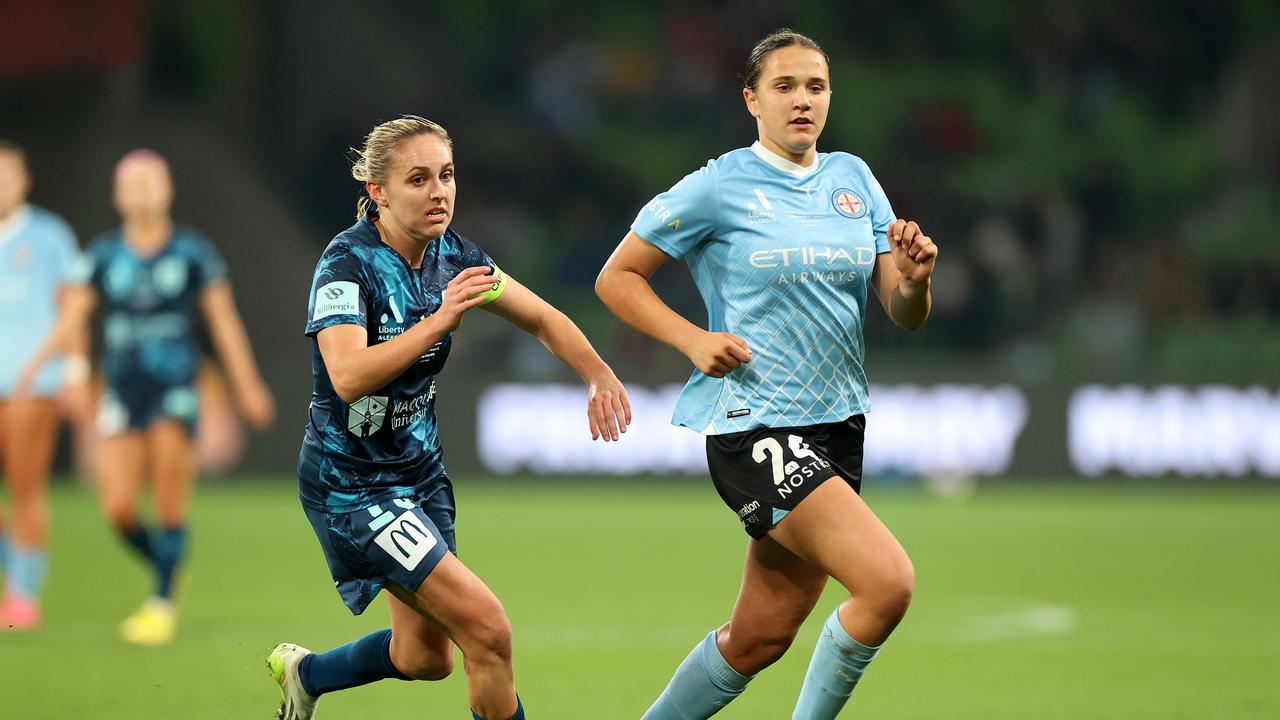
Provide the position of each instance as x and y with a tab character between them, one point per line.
762	213
386	331
366	415
848	203
407	540
341	297
788	475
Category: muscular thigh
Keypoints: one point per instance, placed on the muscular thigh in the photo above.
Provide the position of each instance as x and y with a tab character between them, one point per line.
453	597
833	529
28	450
122	463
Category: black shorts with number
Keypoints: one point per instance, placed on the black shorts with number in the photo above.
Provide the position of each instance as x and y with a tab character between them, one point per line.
763	474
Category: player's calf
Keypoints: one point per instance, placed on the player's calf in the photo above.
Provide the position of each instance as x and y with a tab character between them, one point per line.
750	650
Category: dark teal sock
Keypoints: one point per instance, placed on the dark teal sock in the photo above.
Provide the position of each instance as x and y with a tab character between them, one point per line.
138	538
167	551
357	663
518	716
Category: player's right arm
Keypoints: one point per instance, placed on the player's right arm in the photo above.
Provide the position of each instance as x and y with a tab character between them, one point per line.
68	333
623	286
357	368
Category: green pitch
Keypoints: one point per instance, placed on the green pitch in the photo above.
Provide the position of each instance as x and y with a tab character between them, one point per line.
1033	604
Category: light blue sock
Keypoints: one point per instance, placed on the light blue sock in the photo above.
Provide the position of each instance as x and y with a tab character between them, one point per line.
703	684
4	550
837	665
27	571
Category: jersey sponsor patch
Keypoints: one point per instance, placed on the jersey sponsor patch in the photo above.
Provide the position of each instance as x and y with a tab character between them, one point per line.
367	414
341	297
406	540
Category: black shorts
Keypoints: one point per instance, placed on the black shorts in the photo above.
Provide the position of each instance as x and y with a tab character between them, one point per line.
763	474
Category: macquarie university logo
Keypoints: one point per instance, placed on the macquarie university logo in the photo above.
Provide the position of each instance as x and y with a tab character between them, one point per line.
848	203
407	540
366	415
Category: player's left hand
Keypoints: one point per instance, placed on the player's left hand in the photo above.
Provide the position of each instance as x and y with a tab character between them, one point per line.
914	253
608	407
257	404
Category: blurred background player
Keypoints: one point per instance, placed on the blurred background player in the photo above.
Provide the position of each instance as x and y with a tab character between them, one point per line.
155	280
37	256
784	244
388	294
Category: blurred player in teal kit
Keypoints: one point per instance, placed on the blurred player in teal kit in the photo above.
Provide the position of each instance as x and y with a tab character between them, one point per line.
784	244
389	293
155	280
37	254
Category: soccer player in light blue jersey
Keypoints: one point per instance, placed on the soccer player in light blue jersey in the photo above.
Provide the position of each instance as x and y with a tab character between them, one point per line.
389	294
37	252
155	281
784	244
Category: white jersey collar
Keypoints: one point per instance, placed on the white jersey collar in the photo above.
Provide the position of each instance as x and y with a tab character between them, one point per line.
9	228
777	161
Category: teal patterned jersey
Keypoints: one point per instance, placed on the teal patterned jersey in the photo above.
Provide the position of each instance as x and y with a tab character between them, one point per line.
384	445
151	305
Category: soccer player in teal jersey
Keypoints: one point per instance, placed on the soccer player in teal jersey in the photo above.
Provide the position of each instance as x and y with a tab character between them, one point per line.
155	281
784	244
389	293
37	253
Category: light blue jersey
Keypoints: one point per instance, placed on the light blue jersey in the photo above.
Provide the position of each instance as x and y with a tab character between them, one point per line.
783	256
37	254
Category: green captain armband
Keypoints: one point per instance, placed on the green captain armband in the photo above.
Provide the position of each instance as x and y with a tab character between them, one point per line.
495	290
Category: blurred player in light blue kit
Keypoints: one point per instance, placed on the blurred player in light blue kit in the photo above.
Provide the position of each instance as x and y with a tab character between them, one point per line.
388	296
784	244
37	254
155	281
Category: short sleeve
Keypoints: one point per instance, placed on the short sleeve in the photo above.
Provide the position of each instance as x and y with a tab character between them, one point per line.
881	211
472	255
209	268
338	291
89	266
679	219
66	254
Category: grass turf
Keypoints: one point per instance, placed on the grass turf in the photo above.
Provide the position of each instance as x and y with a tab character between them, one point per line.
1038	602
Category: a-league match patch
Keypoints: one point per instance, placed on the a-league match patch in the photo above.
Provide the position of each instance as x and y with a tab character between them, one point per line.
341	297
406	540
848	203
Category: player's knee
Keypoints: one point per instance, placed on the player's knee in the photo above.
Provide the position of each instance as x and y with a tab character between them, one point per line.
490	637
422	663
121	516
894	589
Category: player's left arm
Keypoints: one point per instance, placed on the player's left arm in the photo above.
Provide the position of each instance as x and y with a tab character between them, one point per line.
903	275
231	342
608	407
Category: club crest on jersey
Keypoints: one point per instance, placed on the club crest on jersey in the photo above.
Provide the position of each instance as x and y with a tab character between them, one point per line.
848	203
366	415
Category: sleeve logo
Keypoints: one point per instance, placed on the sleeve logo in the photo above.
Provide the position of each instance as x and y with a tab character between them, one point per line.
341	297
